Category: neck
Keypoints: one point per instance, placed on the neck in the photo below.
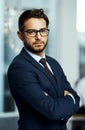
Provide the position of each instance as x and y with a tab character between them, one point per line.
41	54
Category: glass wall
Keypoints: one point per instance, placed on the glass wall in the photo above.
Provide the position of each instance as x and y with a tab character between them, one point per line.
1	57
11	47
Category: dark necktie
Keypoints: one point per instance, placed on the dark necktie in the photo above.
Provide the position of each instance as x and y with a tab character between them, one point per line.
43	62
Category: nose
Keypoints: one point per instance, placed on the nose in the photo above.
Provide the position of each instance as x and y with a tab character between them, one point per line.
38	36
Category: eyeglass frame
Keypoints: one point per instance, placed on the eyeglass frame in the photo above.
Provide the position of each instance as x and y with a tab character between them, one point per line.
36	31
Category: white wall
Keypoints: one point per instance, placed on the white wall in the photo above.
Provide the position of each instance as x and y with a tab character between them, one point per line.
68	45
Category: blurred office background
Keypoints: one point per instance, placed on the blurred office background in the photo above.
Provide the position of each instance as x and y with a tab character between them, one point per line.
66	44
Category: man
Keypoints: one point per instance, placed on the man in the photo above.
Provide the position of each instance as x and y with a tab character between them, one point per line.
44	97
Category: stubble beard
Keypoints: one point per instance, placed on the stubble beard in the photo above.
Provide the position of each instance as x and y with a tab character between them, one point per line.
33	48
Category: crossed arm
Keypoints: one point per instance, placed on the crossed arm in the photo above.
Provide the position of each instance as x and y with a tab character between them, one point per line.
26	89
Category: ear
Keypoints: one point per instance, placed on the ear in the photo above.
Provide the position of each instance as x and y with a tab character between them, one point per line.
20	35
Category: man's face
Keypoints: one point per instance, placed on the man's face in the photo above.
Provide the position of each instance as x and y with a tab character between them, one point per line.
37	43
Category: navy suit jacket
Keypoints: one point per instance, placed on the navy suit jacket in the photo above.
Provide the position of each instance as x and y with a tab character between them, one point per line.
28	81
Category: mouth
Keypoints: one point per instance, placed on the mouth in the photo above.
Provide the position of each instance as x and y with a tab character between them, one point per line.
37	44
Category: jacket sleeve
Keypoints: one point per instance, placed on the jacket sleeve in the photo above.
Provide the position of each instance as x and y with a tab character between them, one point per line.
66	86
75	97
25	87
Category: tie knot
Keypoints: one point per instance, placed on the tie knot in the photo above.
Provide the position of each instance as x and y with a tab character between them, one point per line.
43	61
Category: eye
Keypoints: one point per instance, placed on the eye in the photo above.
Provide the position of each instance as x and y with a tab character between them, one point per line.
30	31
43	30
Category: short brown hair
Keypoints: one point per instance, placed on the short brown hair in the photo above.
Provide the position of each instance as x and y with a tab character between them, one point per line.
34	13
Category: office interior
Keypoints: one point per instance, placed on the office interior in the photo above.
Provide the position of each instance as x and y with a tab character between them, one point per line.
66	45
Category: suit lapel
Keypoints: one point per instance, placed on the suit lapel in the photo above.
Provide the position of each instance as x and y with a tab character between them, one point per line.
57	87
53	81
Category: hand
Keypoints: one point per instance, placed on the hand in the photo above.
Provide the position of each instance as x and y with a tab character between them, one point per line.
70	94
66	93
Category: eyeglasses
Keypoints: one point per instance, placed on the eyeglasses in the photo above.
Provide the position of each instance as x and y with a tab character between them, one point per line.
33	32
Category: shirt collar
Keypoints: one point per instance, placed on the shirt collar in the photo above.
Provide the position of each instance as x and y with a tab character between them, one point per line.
36	57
